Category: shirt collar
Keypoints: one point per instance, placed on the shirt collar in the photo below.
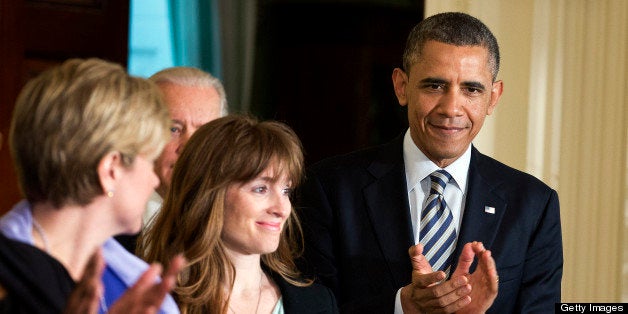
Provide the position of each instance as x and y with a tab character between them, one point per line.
418	166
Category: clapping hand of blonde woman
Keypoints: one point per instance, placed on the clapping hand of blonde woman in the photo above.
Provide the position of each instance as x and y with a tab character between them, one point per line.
144	297
85	297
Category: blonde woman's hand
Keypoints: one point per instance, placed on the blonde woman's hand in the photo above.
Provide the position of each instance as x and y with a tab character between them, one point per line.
147	293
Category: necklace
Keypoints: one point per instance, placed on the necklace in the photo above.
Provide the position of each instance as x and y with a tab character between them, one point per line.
259	296
42	235
103	303
40	230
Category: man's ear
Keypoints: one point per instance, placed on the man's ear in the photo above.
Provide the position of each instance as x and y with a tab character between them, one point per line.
400	81
496	93
109	169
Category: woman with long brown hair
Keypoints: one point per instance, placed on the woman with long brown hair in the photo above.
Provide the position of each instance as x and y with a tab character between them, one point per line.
229	211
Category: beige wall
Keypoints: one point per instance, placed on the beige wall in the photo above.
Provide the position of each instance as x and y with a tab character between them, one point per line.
564	118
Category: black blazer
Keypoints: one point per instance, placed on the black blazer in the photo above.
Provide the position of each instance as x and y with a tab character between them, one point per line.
312	299
35	282
357	227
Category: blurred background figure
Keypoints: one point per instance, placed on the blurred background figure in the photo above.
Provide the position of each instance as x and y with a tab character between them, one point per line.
193	97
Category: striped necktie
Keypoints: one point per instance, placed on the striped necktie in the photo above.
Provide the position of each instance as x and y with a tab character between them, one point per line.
438	233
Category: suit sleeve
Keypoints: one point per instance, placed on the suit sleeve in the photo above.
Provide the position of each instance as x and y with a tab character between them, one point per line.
541	283
327	257
317	221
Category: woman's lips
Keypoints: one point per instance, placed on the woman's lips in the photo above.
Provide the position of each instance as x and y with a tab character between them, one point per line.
273	226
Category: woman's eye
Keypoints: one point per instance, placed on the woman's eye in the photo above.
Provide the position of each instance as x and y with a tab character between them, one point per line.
260	189
287	191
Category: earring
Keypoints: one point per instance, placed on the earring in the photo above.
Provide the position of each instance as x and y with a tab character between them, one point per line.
110	193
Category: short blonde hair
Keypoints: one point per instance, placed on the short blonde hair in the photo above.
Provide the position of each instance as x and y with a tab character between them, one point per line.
69	117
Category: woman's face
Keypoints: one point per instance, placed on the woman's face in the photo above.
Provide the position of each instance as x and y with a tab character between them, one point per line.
255	213
131	195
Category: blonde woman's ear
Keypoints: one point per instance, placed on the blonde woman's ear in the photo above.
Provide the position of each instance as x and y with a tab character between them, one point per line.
108	172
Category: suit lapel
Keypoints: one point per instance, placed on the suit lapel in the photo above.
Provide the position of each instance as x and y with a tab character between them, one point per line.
483	211
387	206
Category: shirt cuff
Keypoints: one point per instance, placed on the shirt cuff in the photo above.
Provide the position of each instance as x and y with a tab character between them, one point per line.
398	308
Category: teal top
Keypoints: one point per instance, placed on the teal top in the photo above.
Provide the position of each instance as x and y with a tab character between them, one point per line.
278	307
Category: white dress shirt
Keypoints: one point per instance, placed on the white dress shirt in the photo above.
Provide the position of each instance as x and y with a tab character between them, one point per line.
418	169
152	208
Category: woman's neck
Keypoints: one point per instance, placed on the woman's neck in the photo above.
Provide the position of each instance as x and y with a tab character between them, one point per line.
248	270
71	234
253	291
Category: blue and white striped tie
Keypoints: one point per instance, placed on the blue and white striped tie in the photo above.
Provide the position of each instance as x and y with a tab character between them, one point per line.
438	233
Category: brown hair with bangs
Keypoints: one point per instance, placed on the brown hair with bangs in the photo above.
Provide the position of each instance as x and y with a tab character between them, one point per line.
226	151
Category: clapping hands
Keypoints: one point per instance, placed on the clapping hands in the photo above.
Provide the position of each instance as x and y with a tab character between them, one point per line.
144	297
462	293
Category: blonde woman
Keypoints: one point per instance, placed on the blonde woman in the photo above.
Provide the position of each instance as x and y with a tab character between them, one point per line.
229	211
83	137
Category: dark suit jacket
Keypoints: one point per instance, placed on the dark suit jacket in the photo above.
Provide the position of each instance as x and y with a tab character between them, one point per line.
314	299
357	227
